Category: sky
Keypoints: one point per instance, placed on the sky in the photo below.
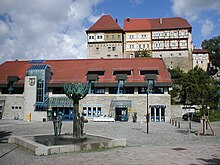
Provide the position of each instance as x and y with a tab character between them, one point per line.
55	29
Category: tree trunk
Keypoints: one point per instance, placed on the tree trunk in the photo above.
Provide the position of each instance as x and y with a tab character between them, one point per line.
75	117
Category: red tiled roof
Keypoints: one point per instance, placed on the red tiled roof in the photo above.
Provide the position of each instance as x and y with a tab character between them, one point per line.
142	24
65	71
105	23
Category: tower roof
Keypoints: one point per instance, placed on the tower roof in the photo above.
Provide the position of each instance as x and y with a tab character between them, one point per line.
105	23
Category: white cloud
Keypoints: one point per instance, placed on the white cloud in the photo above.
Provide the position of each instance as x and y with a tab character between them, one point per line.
49	29
93	18
207	28
191	9
4	30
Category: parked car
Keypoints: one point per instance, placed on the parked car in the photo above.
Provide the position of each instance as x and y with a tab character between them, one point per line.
189	115
192	116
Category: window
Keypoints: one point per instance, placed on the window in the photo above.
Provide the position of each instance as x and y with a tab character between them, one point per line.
119	36
89	111
40	90
113	48
109	48
127	72
58	90
100	90
142	90
152	114
91	87
92	111
91	37
159	90
112	90
101	72
121	88
99	112
150	86
129	90
143	72
84	111
113	36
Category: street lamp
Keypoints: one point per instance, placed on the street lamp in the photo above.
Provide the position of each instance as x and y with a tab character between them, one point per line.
147	111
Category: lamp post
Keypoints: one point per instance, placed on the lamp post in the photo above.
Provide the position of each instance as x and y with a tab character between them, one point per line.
147	112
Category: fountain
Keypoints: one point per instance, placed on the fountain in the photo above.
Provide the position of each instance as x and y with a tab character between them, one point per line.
62	143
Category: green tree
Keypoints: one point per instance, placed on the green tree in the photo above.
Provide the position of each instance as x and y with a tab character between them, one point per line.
198	88
213	46
176	76
143	53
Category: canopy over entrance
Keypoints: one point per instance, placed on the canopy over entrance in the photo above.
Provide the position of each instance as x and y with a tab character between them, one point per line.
120	103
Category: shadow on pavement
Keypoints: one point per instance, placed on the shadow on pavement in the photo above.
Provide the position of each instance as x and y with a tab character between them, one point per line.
4	136
213	161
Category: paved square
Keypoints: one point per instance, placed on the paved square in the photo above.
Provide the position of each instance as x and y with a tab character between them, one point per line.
165	144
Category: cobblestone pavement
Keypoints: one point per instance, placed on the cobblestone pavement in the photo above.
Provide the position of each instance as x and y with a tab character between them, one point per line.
165	144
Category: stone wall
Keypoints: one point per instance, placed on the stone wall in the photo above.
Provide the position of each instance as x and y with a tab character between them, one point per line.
139	103
105	50
173	59
14	106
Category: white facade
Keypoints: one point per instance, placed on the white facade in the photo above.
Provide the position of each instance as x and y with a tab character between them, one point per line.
201	59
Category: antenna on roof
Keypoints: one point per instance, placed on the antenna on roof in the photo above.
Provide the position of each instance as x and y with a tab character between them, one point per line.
128	19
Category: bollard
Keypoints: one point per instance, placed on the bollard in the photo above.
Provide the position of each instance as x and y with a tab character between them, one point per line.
175	122
190	125
178	124
206	124
172	122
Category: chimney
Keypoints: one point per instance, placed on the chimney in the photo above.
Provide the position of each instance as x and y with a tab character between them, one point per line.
128	19
116	20
161	21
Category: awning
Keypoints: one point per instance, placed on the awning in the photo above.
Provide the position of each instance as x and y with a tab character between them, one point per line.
158	106
120	103
60	102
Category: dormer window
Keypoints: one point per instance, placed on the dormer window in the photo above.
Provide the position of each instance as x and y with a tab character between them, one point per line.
125	72
151	72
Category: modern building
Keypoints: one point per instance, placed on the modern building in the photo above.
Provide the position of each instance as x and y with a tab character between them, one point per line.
201	58
166	38
105	39
33	90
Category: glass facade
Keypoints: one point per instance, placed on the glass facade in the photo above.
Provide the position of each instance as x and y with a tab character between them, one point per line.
43	74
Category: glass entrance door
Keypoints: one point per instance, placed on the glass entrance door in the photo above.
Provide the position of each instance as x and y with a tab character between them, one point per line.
157	114
121	114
